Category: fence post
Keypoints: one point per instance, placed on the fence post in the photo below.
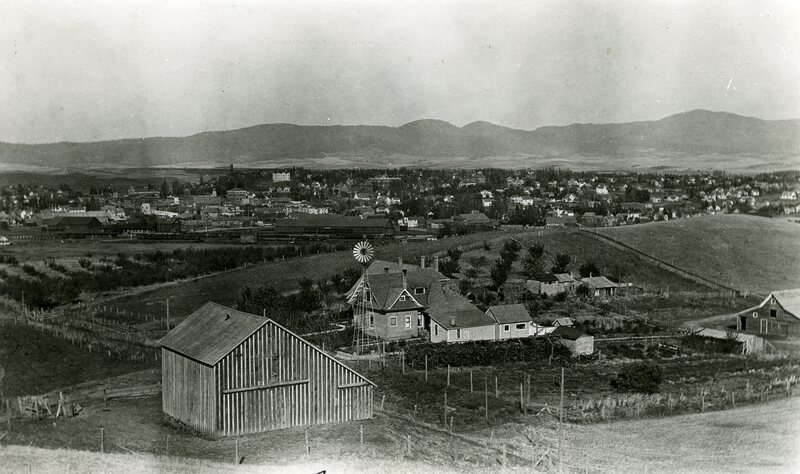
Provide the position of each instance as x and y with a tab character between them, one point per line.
470	381
308	446
361	432
448	375
102	440
445	410
486	399
496	392
236	450
426	367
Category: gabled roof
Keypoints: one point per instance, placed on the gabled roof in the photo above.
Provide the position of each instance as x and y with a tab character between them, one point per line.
564	277
211	332
446	303
381	266
788	299
509	313
599	282
546	277
214	330
385	288
563	322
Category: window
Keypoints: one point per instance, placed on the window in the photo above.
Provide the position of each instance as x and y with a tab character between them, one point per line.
372	320
458	333
402	297
507	327
520	326
393	321
419	291
773	313
755	314
435	330
408	322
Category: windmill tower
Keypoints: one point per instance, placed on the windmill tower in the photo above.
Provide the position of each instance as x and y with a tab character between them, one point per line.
363	331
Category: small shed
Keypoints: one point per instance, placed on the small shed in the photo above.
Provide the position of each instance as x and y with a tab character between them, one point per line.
578	342
226	372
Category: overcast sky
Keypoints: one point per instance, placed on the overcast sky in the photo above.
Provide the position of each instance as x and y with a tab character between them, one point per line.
100	70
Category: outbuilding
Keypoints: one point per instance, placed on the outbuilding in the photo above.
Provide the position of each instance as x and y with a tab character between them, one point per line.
226	372
578	342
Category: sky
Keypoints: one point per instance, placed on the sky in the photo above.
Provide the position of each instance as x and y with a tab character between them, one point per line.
92	70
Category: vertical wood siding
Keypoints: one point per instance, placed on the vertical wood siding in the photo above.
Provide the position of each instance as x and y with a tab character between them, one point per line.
188	391
271	380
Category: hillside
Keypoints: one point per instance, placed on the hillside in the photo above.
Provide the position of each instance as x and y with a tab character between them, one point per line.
739	251
741	141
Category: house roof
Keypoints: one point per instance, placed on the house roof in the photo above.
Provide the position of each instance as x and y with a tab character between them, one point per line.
563	322
509	313
211	332
788	299
387	287
446	304
564	277
546	277
599	282
380	266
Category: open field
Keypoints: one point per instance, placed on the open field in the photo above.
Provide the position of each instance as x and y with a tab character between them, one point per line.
757	438
739	251
36	362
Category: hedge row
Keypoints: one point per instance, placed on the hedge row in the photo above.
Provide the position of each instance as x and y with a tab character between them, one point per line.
478	353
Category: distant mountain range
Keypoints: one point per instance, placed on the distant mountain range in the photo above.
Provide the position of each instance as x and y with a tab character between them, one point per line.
694	133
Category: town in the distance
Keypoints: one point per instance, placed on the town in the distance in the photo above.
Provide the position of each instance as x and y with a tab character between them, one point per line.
222	310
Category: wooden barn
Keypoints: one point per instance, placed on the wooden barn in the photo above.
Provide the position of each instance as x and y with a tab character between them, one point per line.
225	372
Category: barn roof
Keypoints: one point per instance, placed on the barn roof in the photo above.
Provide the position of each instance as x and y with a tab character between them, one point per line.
509	313
214	330
789	301
211	332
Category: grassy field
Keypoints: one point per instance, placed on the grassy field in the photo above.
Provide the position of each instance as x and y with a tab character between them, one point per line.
36	362
743	252
757	438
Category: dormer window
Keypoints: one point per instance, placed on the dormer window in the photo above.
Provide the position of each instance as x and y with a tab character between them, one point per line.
419	291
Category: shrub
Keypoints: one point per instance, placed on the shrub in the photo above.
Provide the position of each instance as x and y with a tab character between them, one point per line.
478	353
561	263
642	377
583	290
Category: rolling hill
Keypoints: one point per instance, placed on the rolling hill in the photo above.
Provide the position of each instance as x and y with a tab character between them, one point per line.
739	251
695	133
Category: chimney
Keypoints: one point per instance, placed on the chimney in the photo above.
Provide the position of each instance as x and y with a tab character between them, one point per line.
400	262
452	321
404	278
385	269
436	263
422	262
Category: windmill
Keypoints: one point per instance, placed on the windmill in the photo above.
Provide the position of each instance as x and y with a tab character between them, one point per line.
363	333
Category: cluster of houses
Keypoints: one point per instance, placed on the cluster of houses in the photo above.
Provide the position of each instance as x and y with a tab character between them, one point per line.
402	301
